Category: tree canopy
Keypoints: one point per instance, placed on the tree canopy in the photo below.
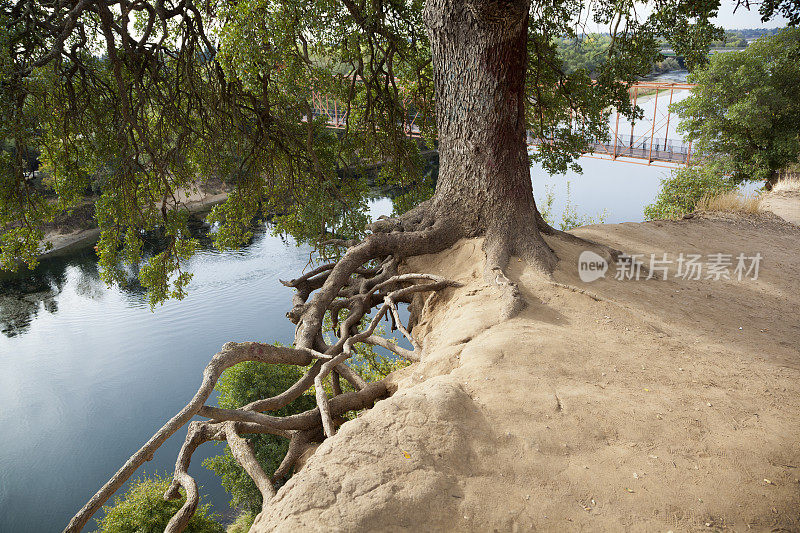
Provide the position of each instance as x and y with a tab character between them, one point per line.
743	115
146	99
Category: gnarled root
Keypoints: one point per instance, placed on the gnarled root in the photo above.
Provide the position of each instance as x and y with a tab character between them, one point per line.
231	354
364	278
503	242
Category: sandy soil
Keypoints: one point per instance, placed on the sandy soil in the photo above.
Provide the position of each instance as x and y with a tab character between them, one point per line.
785	204
614	406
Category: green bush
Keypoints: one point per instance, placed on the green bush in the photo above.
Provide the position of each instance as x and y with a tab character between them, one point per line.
743	115
142	509
238	386
242	523
681	191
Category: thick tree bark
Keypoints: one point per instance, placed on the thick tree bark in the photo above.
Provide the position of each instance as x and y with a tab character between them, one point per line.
479	50
484	188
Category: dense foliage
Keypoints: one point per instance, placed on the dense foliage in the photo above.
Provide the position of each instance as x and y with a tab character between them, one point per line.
145	100
681	191
238	386
743	116
142	509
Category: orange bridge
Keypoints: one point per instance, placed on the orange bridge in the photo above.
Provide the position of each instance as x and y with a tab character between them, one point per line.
645	141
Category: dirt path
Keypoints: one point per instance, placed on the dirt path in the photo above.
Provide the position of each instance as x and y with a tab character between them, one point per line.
785	204
634	406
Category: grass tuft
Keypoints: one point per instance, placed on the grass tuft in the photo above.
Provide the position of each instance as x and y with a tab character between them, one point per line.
788	183
730	202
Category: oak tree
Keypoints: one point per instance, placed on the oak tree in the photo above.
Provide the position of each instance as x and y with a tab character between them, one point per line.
743	115
144	98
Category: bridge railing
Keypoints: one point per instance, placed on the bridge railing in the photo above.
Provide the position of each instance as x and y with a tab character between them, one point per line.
646	147
636	147
336	114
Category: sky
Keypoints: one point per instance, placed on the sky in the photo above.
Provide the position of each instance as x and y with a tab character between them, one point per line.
744	18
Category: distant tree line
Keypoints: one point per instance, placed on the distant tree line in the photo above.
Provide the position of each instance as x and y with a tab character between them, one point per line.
731	39
589	51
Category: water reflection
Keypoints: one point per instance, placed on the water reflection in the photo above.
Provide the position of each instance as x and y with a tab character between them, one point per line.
95	371
98	376
23	295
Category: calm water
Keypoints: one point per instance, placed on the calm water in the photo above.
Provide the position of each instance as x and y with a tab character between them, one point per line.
620	189
95	372
87	373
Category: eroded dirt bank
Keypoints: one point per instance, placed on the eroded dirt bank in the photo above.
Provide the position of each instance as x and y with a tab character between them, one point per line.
78	229
640	406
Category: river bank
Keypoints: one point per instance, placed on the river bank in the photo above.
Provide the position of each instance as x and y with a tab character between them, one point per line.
630	404
78	229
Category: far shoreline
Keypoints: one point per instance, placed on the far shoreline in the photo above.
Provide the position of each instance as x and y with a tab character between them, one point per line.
64	242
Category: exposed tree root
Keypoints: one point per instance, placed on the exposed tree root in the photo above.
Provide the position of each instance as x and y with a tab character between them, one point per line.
364	278
503	242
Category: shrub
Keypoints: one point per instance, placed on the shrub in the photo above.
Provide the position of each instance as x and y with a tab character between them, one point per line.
681	191
142	509
238	386
744	109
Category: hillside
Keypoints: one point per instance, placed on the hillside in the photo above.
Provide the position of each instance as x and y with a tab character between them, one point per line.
622	405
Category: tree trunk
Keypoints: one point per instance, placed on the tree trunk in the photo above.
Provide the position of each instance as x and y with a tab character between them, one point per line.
479	50
773	178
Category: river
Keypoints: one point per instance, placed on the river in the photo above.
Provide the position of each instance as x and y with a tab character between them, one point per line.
88	373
